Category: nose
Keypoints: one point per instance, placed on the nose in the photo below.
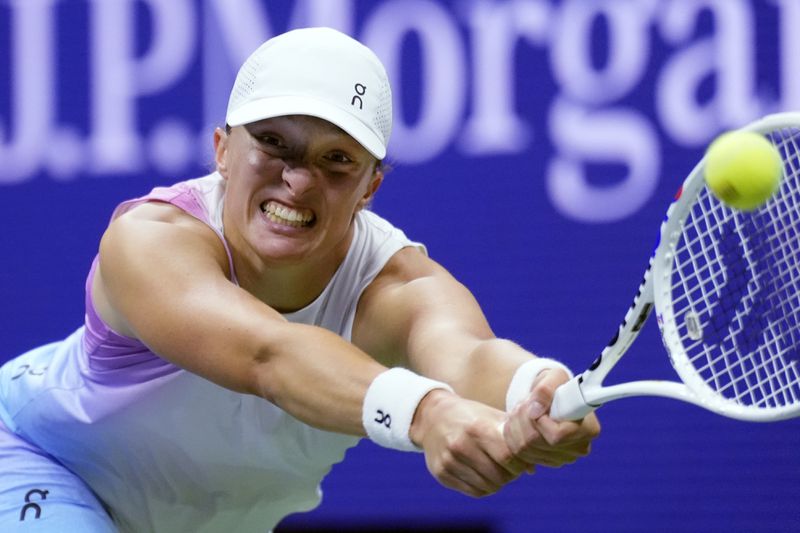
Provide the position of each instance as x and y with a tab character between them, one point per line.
297	177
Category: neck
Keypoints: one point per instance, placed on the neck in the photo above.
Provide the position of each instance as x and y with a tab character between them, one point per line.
289	287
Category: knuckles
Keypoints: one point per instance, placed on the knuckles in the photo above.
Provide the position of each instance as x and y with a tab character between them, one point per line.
458	447
441	468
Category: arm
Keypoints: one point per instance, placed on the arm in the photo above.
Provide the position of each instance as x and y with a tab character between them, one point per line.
417	314
163	279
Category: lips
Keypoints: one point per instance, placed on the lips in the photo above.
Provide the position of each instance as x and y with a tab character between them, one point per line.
287	216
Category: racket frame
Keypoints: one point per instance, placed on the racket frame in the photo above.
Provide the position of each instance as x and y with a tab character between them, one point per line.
585	392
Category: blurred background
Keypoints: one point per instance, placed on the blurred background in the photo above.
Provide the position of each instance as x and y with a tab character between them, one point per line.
536	147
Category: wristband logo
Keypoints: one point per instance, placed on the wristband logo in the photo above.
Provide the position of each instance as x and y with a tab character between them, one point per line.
384	419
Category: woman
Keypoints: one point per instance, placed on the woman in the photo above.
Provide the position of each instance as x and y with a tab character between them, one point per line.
245	328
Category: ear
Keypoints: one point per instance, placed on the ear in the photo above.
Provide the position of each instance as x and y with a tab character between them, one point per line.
372	188
221	151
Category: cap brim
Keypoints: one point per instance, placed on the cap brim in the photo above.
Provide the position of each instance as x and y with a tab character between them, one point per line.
279	106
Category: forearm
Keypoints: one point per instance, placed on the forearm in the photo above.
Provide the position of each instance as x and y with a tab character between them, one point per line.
317	377
480	370
339	388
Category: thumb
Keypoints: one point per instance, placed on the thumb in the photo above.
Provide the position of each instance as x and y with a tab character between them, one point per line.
536	409
541	395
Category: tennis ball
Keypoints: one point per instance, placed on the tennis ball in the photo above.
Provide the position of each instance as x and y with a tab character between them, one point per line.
743	169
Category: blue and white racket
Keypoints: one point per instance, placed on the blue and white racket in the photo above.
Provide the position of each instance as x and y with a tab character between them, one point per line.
725	286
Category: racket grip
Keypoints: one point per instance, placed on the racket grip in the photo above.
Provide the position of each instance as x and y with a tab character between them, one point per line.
568	402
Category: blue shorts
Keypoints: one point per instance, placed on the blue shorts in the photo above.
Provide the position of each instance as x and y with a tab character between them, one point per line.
37	493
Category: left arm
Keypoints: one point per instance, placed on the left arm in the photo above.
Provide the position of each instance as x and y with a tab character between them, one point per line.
416	314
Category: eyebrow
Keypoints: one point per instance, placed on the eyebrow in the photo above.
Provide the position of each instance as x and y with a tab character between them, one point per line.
379	163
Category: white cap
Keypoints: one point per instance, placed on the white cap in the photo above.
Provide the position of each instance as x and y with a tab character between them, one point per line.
318	72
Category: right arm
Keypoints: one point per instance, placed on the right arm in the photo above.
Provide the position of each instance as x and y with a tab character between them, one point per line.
163	279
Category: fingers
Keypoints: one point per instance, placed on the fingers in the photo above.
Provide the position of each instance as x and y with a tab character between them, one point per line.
559	432
476	474
571	435
545	385
535	437
529	443
483	459
476	450
547	442
465	450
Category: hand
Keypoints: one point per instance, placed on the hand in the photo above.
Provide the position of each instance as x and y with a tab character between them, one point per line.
534	437
464	448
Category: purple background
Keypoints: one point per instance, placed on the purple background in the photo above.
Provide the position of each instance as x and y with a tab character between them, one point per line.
123	93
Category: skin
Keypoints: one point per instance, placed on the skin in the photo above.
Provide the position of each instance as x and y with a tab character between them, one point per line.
164	278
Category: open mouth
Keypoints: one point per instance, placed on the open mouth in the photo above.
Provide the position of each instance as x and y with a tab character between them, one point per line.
287	216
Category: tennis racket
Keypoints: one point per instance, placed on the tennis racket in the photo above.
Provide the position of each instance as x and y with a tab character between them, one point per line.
725	287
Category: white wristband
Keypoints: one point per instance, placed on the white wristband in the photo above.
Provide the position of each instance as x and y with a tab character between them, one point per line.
389	406
523	379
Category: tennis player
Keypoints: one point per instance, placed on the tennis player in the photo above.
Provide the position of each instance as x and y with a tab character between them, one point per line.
244	329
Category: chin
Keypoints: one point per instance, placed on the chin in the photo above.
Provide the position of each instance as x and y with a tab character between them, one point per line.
282	255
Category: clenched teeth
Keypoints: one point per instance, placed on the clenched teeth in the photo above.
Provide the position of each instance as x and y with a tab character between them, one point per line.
287	216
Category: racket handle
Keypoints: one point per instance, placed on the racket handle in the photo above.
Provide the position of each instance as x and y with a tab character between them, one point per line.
568	402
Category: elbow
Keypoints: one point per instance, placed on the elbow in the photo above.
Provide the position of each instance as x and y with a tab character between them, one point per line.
263	376
271	363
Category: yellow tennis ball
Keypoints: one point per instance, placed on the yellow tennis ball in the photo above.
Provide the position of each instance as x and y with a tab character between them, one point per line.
743	169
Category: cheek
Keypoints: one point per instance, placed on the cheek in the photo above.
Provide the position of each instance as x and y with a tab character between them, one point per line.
255	165
351	203
253	161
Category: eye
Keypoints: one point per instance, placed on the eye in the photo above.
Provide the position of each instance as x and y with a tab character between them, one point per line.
339	157
271	140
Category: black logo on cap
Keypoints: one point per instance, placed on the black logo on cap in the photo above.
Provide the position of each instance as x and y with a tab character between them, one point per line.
361	90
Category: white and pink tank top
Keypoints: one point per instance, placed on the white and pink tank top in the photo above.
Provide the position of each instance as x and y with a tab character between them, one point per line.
167	450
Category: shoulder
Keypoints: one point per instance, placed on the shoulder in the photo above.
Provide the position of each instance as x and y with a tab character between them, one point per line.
412	281
156	228
160	217
408	280
156	211
154	248
413	301
390	256
408	264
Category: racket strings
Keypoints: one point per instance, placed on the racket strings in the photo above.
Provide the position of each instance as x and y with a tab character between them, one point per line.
714	219
749	369
748	377
735	287
715	275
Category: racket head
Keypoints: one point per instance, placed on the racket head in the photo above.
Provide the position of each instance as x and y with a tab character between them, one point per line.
725	286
